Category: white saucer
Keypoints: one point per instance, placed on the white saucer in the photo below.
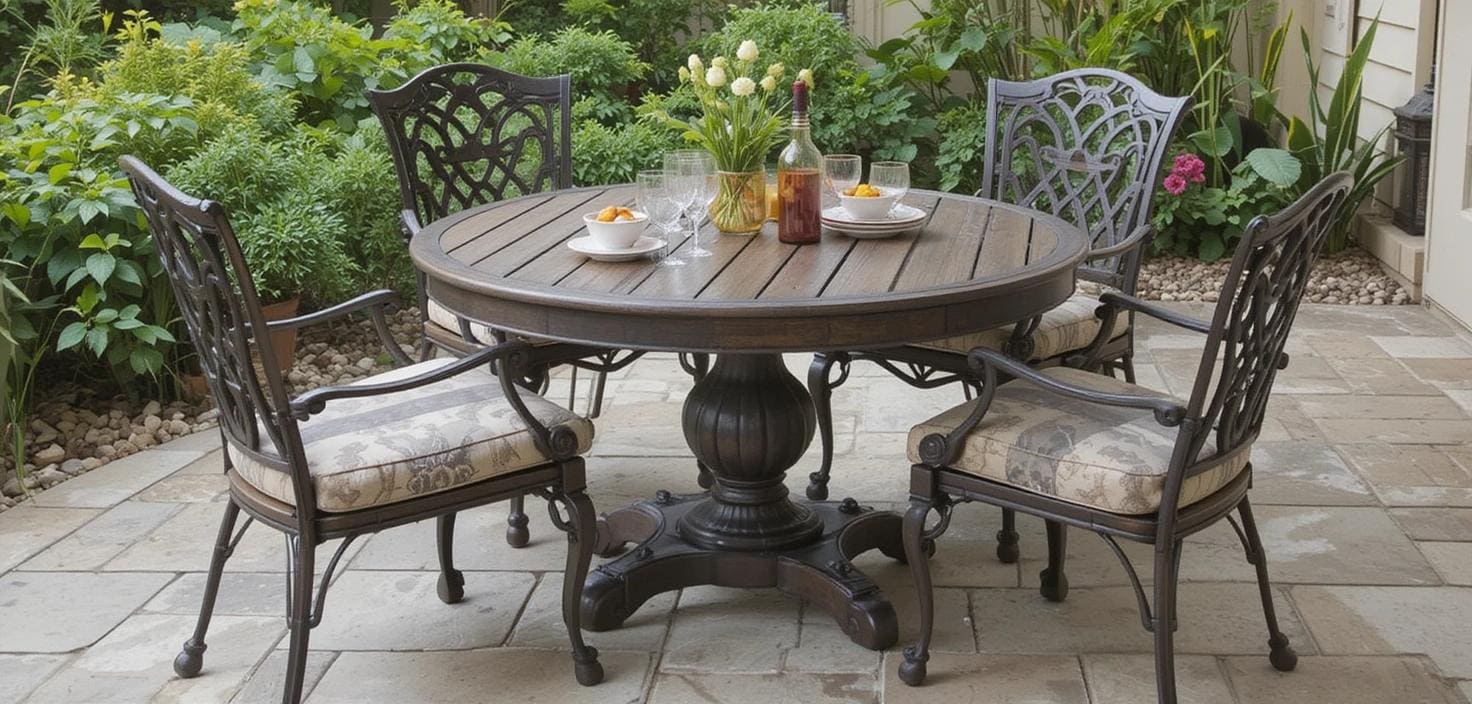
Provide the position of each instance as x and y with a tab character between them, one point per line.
592	250
901	219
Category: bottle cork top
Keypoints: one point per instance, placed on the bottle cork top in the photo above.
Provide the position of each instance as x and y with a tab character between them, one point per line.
799	96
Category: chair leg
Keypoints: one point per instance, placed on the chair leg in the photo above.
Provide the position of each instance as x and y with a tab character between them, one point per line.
517	534
451	587
1127	363
191	659
1007	538
299	602
600	381
1053	582
1167	556
1280	653
581	538
912	670
822	393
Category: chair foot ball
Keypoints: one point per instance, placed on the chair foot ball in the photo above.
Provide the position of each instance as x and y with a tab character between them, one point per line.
451	587
912	670
587	668
817	491
1007	550
517	535
1281	654
1053	588
190	660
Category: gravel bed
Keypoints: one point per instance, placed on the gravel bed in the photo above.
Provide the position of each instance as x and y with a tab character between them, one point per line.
74	431
1352	277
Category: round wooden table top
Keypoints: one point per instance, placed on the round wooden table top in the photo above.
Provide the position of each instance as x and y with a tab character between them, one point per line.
975	264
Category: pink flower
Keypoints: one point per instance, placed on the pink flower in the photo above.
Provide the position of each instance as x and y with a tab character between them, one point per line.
1175	184
1190	166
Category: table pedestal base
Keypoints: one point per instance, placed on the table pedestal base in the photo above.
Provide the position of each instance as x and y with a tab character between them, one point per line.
818	571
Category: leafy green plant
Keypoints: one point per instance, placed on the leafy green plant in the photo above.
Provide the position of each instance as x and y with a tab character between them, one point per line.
602	66
1197	219
603	154
632	20
433	32
329	62
292	247
1331	141
961	148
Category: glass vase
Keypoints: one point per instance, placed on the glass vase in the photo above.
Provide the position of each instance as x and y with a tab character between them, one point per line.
740	205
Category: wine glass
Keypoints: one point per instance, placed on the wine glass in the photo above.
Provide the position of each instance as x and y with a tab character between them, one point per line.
653	195
694	174
842	171
892	178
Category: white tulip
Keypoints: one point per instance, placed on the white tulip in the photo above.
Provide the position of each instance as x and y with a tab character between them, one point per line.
747	51
693	63
776	70
742	87
715	76
769	84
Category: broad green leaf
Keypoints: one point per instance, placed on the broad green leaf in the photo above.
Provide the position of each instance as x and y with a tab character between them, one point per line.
16	213
97	341
1215	143
973	39
1276	165
58	173
70	336
101	266
1212	247
944	60
92	241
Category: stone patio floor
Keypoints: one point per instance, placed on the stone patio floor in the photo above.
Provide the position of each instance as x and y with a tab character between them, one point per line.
1363	488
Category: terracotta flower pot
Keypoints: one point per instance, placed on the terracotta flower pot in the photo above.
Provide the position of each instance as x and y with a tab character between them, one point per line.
283	342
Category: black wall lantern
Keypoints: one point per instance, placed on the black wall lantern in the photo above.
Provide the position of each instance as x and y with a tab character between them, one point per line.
1413	134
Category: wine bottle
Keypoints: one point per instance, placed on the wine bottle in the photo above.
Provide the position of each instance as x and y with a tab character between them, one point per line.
798	178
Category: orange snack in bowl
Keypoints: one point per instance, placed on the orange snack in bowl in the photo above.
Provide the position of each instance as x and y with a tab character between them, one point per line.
608	214
625	214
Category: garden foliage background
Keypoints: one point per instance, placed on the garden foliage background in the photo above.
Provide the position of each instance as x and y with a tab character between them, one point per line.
260	105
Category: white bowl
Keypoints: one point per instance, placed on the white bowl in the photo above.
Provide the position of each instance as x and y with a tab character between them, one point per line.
868	208
619	234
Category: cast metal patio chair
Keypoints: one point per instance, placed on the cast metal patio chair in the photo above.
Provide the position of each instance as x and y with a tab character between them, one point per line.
1089	451
463	135
1087	146
426	440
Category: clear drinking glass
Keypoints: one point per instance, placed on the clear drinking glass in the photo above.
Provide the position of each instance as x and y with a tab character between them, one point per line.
892	178
694	176
842	171
653	194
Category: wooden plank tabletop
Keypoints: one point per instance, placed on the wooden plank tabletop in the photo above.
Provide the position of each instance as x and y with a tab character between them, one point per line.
507	264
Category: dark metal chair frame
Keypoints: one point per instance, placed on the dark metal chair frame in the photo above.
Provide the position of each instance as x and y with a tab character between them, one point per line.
1250	327
218	303
1076	181
475	164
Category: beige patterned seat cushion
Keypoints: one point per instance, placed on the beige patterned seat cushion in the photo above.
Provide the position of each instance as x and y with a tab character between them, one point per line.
372	451
441	316
1068	328
1109	458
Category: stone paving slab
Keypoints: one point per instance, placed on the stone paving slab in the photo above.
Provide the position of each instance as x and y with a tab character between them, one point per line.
787	688
34	606
1390	620
125	477
28	529
400	611
990	679
94	544
1341	681
20	674
1130	679
475	676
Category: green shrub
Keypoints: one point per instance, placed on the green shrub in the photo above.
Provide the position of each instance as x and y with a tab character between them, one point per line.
359	184
216	76
602	67
1207	221
242	168
329	62
961	148
431	32
603	155
292	247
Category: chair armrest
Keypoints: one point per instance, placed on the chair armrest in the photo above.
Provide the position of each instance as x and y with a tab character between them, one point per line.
376	303
939	450
1137	240
1115	302
314	401
409	224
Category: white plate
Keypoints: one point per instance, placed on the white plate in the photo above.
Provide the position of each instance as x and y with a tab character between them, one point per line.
903	218
592	250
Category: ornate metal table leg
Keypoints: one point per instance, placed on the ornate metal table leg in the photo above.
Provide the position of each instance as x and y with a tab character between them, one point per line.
749	420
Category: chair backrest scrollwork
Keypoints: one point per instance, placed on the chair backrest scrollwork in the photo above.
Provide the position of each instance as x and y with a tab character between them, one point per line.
218	303
464	135
1086	145
1259	300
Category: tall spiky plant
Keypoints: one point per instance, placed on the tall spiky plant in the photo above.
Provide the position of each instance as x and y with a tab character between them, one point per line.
1330	141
